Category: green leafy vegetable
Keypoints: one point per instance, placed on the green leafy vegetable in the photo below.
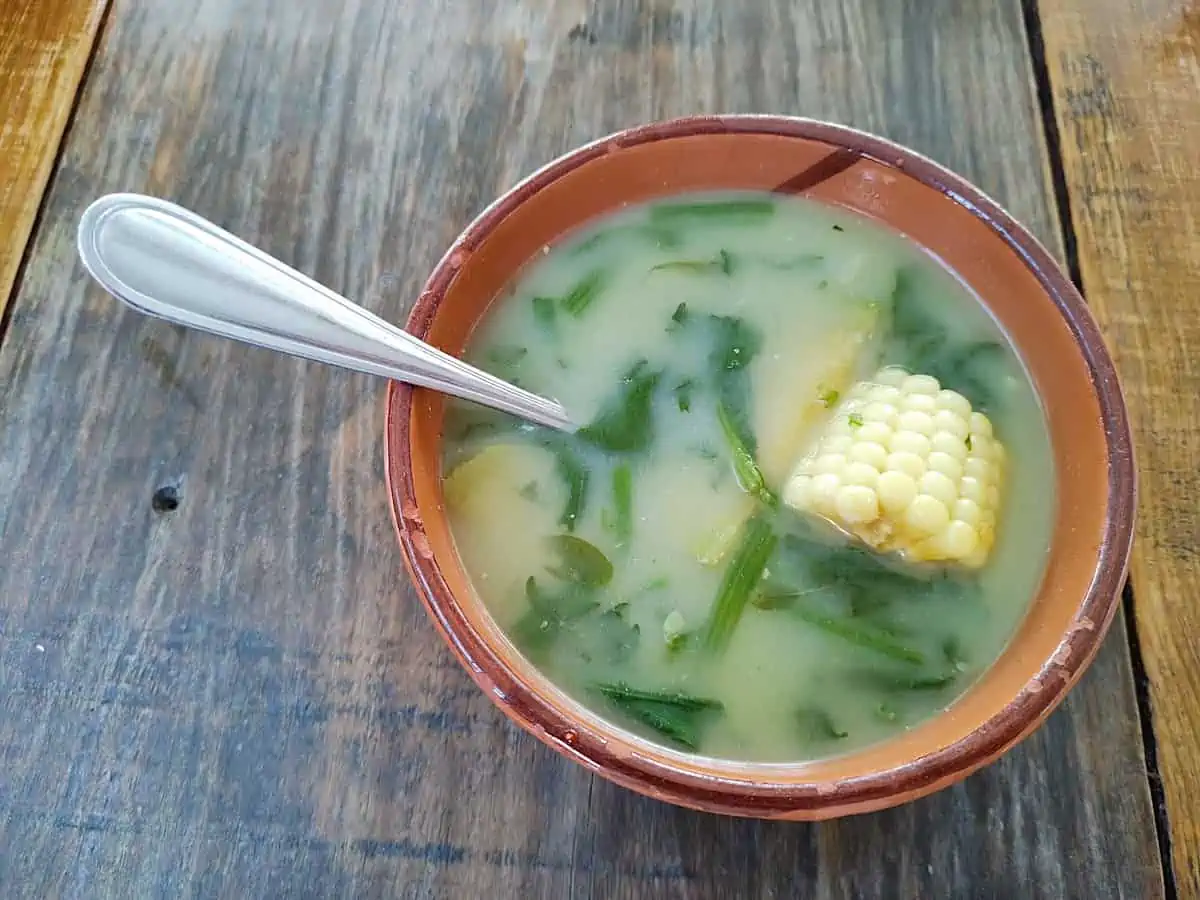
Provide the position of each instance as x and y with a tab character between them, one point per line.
548	613
622	490
735	344
804	261
749	475
741	577
740	211
863	636
683	394
817	725
921	344
676	716
898	682
580	562
545	311
504	361
582	295
613	638
952	652
660	235
574	474
679	317
625	424
621	691
856	420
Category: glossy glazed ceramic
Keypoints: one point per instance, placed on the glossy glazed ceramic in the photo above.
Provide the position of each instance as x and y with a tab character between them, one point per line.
1025	290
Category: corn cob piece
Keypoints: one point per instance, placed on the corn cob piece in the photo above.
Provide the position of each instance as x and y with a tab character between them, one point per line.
907	468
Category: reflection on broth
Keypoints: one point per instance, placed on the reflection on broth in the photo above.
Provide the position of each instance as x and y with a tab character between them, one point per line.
813	498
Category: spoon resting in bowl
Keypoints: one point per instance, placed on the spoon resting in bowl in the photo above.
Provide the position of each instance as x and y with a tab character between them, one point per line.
168	262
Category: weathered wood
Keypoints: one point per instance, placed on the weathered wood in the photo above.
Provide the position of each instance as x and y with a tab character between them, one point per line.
241	696
1126	83
44	47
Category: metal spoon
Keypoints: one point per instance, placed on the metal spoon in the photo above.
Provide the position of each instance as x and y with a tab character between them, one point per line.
170	263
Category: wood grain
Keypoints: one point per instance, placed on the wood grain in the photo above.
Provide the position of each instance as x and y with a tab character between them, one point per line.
1126	83
241	696
44	48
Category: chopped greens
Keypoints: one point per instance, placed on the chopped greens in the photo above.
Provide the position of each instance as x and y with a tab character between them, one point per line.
622	691
679	317
722	263
817	725
625	425
674	715
921	344
743	574
683	394
574	474
548	614
739	211
735	345
579	562
862	635
582	295
545	311
749	475
622	491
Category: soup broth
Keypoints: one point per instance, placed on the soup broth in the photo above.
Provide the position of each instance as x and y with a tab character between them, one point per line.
724	559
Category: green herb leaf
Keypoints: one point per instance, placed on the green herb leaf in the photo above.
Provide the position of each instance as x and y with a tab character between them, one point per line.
545	311
680	316
580	562
683	394
582	295
804	261
897	682
574	474
548	613
742	575
818	725
870	638
622	490
622	691
829	398
856	420
504	360
625	424
740	211
736	345
680	727
749	475
722	263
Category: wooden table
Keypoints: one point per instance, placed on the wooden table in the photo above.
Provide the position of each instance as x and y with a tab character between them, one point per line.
214	678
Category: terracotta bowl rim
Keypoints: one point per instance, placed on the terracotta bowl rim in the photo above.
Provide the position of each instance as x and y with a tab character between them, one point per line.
742	795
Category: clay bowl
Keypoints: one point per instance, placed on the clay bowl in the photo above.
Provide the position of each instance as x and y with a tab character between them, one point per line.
1025	290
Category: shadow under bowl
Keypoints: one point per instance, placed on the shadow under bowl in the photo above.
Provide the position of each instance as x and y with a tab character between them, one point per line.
1025	291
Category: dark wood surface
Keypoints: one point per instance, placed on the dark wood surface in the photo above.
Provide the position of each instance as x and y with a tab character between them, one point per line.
214	678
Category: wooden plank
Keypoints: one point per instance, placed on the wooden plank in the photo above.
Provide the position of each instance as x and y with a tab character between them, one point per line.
240	696
1126	83
44	47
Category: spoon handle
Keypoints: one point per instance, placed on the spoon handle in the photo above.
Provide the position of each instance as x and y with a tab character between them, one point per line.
170	263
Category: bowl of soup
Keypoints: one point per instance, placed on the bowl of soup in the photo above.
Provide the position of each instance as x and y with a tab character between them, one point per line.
850	501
